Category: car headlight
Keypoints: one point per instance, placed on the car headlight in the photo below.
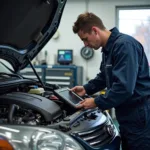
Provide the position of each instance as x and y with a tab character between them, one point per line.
53	140
38	138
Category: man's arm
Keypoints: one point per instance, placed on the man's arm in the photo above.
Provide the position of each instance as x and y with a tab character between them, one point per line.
124	75
96	84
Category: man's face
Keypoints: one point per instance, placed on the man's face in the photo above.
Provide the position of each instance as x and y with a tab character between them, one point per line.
91	40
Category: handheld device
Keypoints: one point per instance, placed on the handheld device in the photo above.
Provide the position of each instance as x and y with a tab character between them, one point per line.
68	96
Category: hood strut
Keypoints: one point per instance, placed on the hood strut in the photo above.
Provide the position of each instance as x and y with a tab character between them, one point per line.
35	72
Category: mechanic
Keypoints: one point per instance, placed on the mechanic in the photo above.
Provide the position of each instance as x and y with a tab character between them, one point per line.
124	72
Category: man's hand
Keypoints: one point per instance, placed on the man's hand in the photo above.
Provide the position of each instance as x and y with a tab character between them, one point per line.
78	90
87	103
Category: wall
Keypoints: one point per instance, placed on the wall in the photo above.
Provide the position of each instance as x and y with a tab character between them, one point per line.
105	9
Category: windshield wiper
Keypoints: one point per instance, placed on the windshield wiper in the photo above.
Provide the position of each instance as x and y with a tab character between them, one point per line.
4	74
6	67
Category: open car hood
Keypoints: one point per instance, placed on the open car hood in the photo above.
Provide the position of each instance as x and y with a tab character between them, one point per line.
26	26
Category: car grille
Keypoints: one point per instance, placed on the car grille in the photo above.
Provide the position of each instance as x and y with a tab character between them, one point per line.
97	136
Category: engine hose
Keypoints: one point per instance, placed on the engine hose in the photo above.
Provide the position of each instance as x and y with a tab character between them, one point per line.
11	113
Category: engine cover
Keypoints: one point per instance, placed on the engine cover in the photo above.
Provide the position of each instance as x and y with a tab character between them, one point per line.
44	106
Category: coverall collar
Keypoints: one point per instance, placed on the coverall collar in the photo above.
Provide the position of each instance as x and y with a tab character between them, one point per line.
111	40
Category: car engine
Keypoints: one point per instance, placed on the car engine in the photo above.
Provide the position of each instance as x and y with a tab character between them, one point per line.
21	105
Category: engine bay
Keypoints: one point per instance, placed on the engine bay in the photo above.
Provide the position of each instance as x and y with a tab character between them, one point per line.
22	106
26	102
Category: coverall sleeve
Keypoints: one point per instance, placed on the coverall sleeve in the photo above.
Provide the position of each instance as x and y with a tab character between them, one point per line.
124	76
96	84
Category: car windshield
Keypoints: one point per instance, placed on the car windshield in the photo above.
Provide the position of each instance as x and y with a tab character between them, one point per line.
5	67
6	70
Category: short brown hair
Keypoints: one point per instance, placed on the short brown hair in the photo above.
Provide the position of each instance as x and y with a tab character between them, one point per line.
85	22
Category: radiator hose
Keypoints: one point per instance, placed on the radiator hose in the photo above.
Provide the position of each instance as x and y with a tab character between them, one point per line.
11	113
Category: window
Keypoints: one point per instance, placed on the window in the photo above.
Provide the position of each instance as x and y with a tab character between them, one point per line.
135	21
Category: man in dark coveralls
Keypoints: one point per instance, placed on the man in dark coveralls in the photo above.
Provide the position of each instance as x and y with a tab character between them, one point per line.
124	71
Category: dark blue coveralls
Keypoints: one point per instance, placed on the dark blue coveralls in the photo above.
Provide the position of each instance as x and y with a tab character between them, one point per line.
124	71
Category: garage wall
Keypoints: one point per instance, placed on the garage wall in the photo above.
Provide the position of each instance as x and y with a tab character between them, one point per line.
105	9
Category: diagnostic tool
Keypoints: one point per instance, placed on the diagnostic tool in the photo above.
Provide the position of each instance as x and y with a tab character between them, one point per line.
68	96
